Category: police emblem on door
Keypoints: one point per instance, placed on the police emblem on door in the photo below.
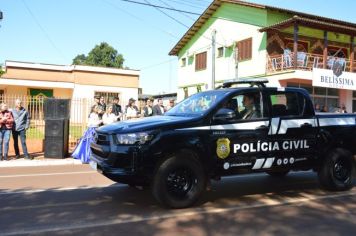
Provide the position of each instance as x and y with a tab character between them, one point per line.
223	148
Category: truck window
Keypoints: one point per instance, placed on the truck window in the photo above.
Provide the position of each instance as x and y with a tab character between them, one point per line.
287	104
247	106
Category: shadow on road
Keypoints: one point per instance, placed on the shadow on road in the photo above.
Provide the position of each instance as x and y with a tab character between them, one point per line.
99	211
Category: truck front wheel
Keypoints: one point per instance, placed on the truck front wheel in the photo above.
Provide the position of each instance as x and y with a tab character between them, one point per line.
179	181
337	169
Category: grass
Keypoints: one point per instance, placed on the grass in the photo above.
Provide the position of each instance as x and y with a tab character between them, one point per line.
34	133
75	132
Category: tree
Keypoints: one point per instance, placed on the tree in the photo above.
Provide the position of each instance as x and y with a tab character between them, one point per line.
1	71
101	55
79	60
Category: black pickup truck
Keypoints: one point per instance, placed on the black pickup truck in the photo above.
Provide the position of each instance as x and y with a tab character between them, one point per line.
227	131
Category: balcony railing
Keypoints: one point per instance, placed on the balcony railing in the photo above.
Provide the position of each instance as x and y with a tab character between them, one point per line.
305	61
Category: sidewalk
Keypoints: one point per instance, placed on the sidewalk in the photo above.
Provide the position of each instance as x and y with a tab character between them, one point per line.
38	160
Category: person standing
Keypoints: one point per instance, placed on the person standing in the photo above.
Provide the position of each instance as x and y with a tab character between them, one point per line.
82	150
101	107
132	110
6	124
147	110
22	123
170	105
116	108
96	102
109	117
158	109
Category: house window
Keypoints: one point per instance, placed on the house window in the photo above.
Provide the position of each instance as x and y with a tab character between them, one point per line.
200	61
107	96
220	51
244	48
183	62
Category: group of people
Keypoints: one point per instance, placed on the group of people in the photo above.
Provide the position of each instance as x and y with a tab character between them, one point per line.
102	114
108	114
158	109
339	109
13	121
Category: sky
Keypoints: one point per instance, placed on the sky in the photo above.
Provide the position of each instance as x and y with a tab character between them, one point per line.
55	31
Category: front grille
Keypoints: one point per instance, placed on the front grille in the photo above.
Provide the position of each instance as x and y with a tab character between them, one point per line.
102	139
99	153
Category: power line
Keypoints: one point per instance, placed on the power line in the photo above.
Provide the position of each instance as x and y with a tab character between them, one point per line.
158	64
139	19
179	22
184	14
190	4
172	9
43	30
162	7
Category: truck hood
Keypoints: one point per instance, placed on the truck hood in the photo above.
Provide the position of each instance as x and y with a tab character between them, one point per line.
144	124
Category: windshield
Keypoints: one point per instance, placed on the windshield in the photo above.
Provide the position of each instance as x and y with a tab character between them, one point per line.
197	104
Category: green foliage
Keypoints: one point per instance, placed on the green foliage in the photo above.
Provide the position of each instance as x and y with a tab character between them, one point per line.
1	72
79	60
101	55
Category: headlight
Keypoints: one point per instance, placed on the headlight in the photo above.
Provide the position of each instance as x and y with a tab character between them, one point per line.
140	138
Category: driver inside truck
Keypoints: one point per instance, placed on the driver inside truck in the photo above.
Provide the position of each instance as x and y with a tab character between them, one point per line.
250	111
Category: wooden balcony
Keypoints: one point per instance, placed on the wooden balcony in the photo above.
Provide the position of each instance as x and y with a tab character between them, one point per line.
305	61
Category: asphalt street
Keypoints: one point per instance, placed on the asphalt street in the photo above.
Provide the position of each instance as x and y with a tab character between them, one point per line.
75	200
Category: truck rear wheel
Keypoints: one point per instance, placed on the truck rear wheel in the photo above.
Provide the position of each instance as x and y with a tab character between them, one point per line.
337	169
179	181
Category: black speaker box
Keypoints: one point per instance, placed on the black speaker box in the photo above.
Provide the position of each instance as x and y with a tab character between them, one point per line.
56	138
55	147
55	108
56	128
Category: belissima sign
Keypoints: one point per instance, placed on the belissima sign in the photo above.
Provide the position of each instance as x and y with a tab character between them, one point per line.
334	79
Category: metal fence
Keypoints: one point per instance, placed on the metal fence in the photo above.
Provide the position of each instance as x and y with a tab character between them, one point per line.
80	109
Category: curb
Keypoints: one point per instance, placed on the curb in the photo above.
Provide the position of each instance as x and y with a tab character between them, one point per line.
39	162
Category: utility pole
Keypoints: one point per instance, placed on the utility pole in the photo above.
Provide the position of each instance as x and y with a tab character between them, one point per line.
236	49
213	38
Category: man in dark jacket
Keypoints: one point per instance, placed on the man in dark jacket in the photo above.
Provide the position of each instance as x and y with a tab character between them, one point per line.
22	123
116	108
6	124
158	109
102	107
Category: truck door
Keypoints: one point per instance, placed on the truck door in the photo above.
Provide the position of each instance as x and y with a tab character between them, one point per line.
238	126
293	126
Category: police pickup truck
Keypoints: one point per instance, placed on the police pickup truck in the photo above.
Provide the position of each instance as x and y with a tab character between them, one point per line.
227	131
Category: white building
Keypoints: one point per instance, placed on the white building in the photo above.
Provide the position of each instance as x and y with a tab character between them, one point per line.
288	48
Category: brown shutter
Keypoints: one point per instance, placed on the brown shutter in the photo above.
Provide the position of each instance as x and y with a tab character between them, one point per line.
200	61
245	49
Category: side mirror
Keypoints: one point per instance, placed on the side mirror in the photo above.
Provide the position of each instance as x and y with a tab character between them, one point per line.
224	114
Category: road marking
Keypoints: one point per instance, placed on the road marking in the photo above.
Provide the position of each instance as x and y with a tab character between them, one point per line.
48	174
92	202
10	192
135	219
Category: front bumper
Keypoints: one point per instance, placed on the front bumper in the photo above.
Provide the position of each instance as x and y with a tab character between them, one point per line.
120	164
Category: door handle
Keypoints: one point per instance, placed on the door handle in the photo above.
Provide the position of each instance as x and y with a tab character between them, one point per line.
306	125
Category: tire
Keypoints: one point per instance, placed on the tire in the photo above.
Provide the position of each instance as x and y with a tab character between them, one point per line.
179	181
336	172
278	174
